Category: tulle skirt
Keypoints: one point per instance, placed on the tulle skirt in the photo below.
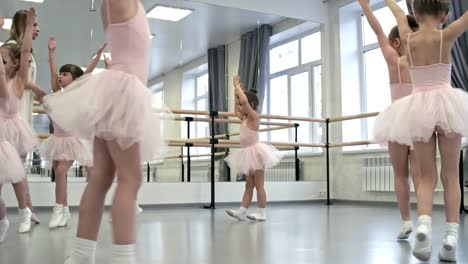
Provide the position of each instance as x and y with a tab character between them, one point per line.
67	148
11	166
415	117
111	105
19	134
259	156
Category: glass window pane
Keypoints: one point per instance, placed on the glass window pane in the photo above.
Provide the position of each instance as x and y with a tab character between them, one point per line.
311	48
318	131
279	102
376	81
386	19
284	57
300	103
202	85
201	104
158	99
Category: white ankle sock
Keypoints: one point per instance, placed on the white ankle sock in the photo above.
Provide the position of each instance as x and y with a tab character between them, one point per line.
451	228
83	252
423	246
242	209
261	211
124	254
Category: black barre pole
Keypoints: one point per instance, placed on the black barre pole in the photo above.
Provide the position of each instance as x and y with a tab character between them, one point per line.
327	149
296	148
188	119
182	163
213	141
229	169
462	184
148	172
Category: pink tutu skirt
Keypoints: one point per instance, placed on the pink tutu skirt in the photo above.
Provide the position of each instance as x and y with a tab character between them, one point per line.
415	117
11	167
67	148
19	134
111	105
259	156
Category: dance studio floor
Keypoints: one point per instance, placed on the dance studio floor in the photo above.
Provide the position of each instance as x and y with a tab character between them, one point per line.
294	233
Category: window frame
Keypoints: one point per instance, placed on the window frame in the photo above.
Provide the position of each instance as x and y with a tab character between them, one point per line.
301	68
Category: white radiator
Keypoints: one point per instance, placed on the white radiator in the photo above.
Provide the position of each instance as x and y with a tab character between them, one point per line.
283	172
378	175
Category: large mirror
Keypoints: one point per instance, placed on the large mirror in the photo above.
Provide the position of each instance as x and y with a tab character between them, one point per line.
193	43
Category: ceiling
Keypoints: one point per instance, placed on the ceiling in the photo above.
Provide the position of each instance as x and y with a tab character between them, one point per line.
78	31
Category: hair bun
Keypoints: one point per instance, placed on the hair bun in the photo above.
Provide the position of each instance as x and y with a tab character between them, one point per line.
412	22
254	91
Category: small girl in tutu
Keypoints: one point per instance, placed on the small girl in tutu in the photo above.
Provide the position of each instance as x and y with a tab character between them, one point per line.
11	166
253	157
114	109
434	113
403	159
63	147
17	131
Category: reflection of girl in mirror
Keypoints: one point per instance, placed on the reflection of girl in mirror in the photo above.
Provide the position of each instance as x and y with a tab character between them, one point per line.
403	159
11	166
114	109
434	113
18	131
253	157
63	147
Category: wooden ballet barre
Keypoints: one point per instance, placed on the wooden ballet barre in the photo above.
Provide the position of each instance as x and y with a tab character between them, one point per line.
348	144
238	133
39	111
237	142
230	121
181	143
231	114
217	154
351	117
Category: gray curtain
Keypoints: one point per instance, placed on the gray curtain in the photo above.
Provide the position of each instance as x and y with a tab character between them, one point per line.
217	92
254	61
254	64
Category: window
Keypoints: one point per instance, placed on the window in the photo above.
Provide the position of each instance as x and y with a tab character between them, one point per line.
157	91
201	103
195	97
374	91
295	88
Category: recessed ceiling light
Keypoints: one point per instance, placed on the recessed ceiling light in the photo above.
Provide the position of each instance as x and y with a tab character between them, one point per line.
35	1
1	43
7	23
108	55
96	70
168	13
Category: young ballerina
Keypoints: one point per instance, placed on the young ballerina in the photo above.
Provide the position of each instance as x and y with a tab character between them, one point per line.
114	108
403	160
434	113
253	157
63	148
18	132
138	210
11	166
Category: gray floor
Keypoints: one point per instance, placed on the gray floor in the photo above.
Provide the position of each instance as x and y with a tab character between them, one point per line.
293	234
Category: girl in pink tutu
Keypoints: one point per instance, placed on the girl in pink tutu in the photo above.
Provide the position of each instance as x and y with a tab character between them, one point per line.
403	160
11	166
17	131
434	113
114	109
63	147
253	157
